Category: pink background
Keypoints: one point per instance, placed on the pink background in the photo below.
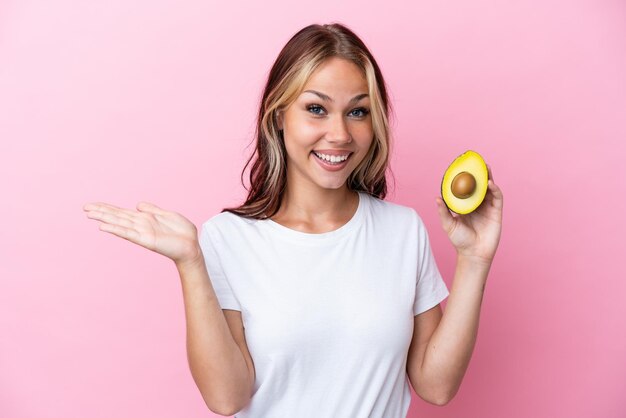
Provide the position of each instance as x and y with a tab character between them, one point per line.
123	101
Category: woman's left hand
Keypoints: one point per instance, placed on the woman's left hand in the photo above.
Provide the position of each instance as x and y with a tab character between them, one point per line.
476	234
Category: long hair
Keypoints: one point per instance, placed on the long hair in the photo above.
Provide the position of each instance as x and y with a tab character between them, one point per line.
299	58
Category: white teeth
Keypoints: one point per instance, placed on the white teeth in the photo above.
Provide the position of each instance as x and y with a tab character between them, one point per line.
331	158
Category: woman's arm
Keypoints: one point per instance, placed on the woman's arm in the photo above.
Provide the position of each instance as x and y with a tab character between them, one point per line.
219	361
442	345
436	368
216	362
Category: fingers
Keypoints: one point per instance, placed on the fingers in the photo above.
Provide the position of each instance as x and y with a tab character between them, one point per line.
494	197
110	209
99	206
447	220
492	186
497	199
167	218
120	231
150	208
115	220
110	217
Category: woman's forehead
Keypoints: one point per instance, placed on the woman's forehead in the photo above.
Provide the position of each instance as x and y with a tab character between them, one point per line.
334	91
336	74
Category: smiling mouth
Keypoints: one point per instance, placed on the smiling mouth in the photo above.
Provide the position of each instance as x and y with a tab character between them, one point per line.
332	159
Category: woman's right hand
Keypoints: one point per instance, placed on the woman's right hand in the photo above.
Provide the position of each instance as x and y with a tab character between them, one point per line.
162	231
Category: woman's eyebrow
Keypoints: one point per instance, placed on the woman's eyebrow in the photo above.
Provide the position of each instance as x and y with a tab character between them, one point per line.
326	97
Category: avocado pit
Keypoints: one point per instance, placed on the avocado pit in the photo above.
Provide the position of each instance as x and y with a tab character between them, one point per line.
463	185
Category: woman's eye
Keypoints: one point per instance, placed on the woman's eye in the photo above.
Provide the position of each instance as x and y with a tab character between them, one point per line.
314	107
360	112
363	111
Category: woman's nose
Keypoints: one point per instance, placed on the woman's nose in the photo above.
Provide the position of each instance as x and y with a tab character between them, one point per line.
338	131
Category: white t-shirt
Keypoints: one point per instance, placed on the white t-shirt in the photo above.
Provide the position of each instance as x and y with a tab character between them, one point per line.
328	317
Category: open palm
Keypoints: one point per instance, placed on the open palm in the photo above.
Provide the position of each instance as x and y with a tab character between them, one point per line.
164	232
476	234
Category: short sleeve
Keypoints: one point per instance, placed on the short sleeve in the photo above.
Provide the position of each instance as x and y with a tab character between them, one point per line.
430	288
219	281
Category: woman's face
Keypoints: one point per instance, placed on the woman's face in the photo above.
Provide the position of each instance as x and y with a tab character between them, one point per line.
330	119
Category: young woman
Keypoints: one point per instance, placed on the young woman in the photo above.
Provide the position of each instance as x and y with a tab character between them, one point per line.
316	297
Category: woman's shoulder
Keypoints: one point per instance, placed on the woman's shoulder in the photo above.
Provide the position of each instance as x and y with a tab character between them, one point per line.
395	216
389	209
227	220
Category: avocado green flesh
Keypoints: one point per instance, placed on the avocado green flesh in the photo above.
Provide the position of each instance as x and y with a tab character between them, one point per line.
474	164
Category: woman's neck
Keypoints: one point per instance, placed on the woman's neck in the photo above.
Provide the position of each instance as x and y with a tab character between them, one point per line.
316	210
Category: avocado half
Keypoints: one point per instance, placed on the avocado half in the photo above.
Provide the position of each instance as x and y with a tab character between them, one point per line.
464	184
